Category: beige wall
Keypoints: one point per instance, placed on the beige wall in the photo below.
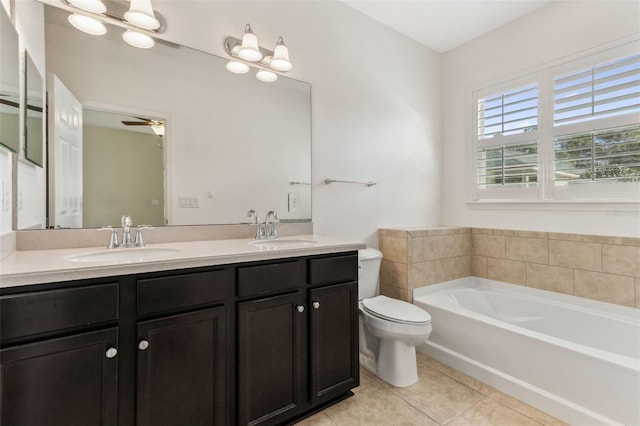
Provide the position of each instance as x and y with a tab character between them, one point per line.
594	267
133	161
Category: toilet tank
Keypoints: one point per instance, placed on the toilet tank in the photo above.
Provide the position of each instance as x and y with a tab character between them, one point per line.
369	261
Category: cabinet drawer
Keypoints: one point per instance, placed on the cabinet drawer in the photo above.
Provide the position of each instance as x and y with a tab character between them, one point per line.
333	269
259	279
181	291
28	314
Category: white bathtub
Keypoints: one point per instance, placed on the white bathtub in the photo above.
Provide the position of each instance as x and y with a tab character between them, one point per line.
574	358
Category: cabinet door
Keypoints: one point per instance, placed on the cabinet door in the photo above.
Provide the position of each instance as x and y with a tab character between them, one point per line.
271	359
181	370
333	341
66	381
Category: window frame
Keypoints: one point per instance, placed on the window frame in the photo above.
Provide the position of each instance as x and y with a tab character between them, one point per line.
547	192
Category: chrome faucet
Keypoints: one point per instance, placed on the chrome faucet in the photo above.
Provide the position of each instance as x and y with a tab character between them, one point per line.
267	229
127	223
270	224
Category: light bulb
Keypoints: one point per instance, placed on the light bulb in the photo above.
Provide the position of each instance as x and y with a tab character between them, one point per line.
87	24
139	40
280	59
237	67
141	15
93	6
249	51
266	76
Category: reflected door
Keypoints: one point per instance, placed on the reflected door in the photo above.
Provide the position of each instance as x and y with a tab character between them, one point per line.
65	152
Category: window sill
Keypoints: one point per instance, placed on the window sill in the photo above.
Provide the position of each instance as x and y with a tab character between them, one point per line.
623	207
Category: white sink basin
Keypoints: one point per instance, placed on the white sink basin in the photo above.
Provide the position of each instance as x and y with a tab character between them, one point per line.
289	242
122	255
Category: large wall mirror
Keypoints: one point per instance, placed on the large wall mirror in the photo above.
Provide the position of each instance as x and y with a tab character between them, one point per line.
168	135
9	84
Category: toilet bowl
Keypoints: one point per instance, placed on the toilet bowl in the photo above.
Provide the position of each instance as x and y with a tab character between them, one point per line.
390	329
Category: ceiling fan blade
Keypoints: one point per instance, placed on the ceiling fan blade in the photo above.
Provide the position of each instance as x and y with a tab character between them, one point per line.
136	123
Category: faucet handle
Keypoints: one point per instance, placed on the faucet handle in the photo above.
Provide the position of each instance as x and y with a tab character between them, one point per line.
252	213
126	220
113	240
139	242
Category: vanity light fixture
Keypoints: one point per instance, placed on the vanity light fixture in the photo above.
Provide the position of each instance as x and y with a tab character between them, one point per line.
247	53
87	24
137	19
141	15
249	49
93	6
138	39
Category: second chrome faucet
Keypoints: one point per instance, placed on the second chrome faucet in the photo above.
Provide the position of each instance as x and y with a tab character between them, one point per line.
266	229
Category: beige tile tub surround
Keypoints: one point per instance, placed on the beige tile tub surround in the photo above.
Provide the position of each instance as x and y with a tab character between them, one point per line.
604	268
414	257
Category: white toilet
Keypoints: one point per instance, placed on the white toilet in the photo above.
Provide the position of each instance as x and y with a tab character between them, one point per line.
390	329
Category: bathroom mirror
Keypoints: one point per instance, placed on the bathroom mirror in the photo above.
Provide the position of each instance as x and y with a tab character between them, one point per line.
9	84
231	142
34	103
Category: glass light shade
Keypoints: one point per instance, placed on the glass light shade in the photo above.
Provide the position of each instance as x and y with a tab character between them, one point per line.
266	76
249	50
141	15
280	59
237	67
87	24
93	6
138	40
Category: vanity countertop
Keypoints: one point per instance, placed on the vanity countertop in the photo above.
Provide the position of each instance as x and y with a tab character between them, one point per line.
45	266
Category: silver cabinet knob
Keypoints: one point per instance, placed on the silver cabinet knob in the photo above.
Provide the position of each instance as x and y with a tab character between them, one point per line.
143	345
316	305
300	308
111	353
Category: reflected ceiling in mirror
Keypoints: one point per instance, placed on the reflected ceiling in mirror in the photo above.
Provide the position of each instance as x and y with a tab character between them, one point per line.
231	143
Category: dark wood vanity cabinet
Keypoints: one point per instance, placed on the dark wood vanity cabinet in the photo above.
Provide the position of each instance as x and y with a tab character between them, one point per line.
181	369
59	356
255	343
297	350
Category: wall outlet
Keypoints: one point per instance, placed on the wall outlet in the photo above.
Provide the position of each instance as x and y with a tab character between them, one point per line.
294	202
189	202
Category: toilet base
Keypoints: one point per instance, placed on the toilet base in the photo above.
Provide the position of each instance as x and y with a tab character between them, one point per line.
397	364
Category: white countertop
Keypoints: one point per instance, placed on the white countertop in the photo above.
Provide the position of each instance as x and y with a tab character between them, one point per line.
44	266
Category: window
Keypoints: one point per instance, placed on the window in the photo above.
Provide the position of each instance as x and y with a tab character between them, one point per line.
507	149
570	132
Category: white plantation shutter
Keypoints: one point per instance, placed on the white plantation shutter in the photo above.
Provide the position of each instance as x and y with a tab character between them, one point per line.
589	105
601	91
506	138
508	113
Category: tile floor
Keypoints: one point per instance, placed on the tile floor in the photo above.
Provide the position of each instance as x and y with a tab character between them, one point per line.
442	396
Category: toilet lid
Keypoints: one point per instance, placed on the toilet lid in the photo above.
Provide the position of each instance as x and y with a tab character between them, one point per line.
395	310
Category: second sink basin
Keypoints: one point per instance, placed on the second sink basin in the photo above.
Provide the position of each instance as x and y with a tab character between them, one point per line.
136	254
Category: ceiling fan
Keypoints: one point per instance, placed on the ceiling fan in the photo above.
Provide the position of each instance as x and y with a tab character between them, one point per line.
156	125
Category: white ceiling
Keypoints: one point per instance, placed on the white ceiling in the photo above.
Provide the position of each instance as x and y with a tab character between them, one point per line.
444	24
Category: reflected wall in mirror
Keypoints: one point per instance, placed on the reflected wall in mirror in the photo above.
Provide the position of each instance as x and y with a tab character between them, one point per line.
34	104
9	84
132	146
232	143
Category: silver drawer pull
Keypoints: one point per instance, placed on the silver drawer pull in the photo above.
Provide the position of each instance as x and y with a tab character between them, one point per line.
111	353
316	305
143	345
300	308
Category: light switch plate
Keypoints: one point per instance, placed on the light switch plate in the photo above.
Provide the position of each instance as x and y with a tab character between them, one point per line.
294	202
189	202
